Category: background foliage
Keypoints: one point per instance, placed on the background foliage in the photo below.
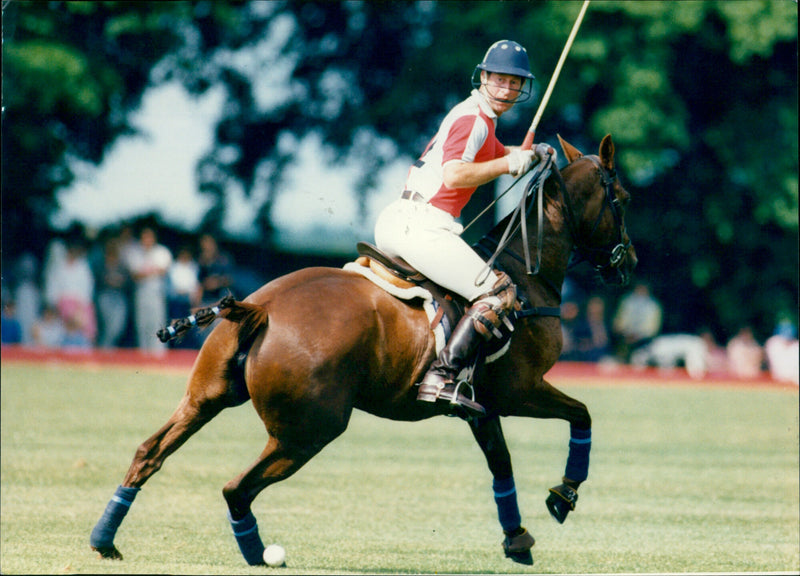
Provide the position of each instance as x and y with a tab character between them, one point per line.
700	96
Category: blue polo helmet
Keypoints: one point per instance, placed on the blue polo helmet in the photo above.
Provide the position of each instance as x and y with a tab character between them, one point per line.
506	57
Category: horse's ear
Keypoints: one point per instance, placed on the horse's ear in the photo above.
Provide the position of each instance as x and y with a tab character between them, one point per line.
607	152
570	152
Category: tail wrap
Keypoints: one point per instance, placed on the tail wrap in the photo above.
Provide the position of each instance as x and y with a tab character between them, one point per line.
201	318
251	316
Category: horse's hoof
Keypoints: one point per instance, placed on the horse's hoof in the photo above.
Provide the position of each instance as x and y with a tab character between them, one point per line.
518	547
561	501
521	557
108	553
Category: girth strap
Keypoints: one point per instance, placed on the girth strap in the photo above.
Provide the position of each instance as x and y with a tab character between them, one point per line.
537	311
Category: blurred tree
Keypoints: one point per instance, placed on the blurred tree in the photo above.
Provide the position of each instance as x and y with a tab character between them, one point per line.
700	96
72	73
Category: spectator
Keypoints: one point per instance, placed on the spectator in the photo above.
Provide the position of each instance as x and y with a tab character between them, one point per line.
113	283
570	321
184	292
669	351
637	321
570	292
592	334
215	277
717	357
782	353
215	270
95	250
48	330
127	241
745	355
73	336
70	286
149	263
27	294
10	326
55	256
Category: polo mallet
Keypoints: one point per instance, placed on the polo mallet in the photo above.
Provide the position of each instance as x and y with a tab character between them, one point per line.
528	142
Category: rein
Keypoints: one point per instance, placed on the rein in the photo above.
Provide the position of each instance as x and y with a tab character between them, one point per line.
534	186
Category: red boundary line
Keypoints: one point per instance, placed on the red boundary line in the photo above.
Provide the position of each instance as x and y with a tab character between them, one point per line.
127	357
182	361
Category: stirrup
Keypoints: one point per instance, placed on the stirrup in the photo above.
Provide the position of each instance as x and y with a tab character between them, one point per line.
457	391
461	405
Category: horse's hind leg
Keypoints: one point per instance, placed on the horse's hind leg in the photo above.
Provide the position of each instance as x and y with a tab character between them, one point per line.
148	459
282	457
518	541
204	399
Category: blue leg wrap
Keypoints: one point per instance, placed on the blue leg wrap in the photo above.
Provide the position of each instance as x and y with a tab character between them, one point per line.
106	528
246	533
580	444
505	496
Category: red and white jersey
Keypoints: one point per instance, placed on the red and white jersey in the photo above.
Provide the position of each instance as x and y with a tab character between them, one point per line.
467	134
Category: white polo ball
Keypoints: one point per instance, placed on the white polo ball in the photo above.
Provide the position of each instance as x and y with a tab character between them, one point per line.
275	555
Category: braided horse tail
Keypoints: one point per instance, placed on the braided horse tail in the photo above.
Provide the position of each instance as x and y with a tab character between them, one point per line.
250	316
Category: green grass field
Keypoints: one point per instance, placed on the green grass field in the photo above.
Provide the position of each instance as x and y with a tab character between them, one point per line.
683	479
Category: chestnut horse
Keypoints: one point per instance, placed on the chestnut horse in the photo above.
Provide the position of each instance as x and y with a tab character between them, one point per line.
309	347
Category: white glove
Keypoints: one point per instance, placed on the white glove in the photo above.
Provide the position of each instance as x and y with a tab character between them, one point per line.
520	161
543	150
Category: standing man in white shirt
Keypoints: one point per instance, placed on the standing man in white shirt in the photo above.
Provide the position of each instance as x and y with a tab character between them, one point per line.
149	263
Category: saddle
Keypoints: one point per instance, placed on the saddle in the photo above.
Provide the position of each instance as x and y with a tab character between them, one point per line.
450	307
399	273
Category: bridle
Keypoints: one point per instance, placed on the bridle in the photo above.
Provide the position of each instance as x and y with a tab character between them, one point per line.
534	190
616	256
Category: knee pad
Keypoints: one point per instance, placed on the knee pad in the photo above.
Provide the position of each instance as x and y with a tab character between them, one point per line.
491	310
505	291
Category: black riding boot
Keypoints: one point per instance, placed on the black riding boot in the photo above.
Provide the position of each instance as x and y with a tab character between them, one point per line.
439	382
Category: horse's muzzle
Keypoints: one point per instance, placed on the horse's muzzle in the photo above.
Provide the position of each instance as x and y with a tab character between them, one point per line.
619	270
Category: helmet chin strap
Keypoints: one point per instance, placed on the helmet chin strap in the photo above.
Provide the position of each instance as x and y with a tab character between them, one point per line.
478	82
489	96
514	101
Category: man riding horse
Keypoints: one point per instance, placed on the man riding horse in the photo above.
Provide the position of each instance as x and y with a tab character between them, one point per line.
421	227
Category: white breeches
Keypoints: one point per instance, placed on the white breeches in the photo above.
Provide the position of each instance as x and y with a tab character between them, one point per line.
429	239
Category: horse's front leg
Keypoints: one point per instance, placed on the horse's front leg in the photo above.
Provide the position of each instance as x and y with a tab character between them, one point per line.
489	435
549	402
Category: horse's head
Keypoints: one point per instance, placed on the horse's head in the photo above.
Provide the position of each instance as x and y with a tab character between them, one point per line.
595	203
